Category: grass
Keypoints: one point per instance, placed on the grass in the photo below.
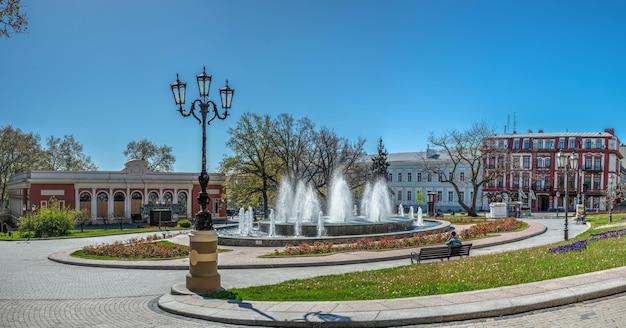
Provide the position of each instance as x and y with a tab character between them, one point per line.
76	233
467	274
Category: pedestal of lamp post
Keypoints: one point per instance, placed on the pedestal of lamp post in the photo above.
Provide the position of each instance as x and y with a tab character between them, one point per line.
203	275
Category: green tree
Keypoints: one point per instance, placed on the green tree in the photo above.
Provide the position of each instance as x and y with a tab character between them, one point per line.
66	155
254	169
12	19
19	152
159	158
380	166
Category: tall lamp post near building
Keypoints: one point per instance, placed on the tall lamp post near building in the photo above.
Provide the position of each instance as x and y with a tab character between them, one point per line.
566	163
611	196
203	274
25	211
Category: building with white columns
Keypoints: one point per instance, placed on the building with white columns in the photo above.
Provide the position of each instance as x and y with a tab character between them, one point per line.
130	193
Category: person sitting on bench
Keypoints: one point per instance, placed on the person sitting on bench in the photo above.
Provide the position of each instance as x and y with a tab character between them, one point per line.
453	241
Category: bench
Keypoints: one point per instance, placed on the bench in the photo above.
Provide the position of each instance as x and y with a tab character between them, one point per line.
440	252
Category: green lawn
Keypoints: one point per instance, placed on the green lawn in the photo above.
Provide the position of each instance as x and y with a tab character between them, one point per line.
467	274
112	230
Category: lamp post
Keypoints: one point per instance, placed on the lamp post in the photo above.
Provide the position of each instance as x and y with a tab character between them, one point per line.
203	218
566	163
610	196
25	211
203	274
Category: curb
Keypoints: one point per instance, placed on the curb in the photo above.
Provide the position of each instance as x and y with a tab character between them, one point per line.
397	312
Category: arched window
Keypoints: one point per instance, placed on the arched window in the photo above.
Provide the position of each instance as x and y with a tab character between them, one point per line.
119	199
102	205
153	198
85	202
136	200
181	209
167	198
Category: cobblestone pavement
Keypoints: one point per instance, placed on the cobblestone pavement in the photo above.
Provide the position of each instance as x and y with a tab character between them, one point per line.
36	292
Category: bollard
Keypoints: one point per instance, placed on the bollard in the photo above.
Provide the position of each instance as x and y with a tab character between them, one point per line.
203	275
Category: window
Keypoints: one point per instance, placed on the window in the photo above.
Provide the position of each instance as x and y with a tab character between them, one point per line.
587	163
599	143
562	143
549	144
546	162
399	177
539	162
598	164
390	177
409	195
430	177
516	144
515	181
409	177
526	143
588	144
450	196
540	144
439	195
461	196
462	176
419	176
596	183
572	143
526	181
526	162
400	195
450	176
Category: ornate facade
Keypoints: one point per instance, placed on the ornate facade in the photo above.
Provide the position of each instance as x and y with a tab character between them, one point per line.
528	170
130	193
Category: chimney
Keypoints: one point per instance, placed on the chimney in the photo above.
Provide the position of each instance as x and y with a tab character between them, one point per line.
611	131
540	131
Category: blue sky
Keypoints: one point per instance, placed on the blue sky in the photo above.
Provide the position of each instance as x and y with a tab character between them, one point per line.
101	70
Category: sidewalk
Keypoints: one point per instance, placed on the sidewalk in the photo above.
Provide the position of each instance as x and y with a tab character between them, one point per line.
376	313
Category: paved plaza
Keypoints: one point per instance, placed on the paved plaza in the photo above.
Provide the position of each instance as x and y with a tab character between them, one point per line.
38	292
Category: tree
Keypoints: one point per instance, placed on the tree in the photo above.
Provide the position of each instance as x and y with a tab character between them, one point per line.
12	19
464	150
254	169
266	151
66	155
380	165
159	158
19	152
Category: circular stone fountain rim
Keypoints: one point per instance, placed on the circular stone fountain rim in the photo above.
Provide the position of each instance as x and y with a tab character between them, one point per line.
254	241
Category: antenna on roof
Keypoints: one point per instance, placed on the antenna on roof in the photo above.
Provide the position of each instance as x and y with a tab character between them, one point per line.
514	123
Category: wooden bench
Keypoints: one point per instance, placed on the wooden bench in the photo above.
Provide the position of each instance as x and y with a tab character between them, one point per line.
440	252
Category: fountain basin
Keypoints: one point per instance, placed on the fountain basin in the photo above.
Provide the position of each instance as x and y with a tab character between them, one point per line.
335	232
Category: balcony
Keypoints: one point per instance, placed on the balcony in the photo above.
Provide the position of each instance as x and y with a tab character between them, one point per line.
592	169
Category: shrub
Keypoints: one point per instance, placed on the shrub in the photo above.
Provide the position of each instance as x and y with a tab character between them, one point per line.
184	223
51	221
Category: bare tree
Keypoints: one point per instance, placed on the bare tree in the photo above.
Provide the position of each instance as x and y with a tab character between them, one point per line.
466	150
12	19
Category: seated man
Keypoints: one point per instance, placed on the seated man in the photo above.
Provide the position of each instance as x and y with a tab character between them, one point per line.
453	241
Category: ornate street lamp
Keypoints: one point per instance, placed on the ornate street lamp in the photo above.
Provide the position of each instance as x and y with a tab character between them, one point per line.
33	207
203	217
566	163
203	275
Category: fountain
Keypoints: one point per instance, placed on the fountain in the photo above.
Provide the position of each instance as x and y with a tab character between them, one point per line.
299	217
